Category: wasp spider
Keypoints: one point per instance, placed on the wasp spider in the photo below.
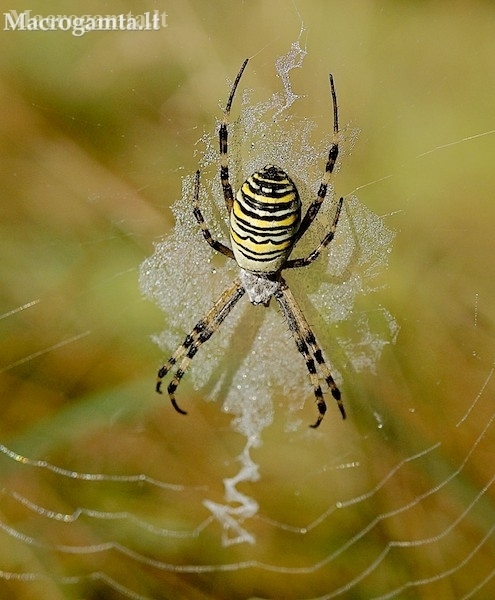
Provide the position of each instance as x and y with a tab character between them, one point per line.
265	225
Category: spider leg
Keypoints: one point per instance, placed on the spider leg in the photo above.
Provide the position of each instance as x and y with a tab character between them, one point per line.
216	245
314	207
304	262
200	333
308	346
223	142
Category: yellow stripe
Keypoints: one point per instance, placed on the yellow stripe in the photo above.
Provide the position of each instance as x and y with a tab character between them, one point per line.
259	248
264	199
264	222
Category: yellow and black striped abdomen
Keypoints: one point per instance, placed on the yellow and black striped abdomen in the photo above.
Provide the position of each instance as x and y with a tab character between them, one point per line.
264	220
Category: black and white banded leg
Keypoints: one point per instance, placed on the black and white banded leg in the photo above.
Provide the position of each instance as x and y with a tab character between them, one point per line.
215	244
333	153
223	142
308	346
200	333
307	260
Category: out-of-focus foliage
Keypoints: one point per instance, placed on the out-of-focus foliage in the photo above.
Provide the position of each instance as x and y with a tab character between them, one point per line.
96	133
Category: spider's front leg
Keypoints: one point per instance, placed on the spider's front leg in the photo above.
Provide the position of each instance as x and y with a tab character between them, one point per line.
223	136
215	244
307	260
333	153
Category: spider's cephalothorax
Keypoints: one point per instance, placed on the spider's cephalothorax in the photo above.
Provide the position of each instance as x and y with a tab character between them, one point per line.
265	224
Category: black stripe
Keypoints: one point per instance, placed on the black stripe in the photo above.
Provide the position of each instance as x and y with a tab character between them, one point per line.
277	190
255	204
265	257
240	226
265	241
263	231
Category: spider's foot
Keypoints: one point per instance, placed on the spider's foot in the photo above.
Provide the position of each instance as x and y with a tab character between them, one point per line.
340	404
177	407
322	409
336	394
317	424
172	386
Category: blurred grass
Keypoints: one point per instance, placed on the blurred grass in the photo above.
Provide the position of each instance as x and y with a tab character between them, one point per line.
96	133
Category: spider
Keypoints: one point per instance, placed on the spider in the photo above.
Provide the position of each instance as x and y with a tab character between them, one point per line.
265	225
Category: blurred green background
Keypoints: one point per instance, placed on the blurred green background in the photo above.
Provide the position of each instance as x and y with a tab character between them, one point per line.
96	133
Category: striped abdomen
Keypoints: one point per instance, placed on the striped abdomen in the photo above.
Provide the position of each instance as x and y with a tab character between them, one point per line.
264	220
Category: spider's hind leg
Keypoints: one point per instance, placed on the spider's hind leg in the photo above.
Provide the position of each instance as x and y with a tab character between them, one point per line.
201	333
188	348
308	347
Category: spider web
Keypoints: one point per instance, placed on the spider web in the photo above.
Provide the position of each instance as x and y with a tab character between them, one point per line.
365	546
415	524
